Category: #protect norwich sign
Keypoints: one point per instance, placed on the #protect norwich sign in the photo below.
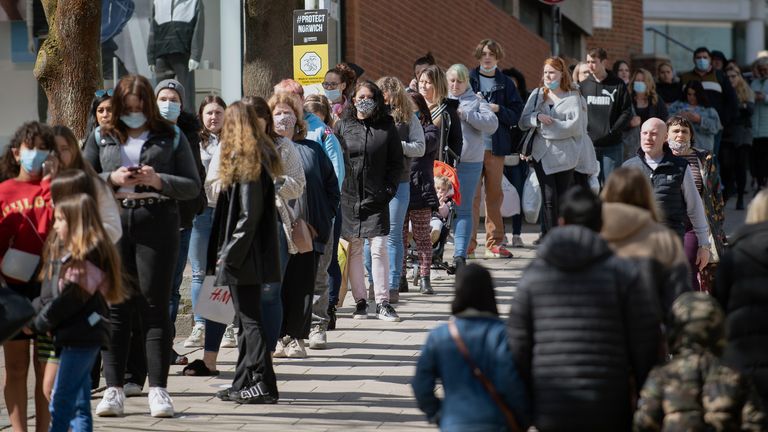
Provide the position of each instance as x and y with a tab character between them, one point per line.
310	46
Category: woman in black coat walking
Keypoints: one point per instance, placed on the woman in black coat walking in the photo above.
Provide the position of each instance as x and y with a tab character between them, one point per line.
373	165
741	288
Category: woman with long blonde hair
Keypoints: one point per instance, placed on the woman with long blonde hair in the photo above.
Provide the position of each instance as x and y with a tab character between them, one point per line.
412	138
558	112
737	139
246	258
646	103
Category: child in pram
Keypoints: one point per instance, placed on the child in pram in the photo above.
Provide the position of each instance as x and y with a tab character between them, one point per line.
444	190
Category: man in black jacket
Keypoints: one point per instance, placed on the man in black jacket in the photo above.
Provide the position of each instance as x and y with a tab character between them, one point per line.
610	109
582	331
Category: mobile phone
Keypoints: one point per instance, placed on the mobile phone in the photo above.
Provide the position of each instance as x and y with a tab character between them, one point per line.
134	168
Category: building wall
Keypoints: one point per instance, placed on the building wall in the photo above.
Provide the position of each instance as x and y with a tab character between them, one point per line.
625	38
384	38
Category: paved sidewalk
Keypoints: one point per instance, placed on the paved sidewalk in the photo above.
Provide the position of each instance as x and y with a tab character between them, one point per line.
361	383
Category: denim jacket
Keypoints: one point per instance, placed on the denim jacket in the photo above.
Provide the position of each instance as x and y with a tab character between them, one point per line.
467	405
175	164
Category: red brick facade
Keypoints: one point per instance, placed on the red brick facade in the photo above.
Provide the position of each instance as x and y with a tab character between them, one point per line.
385	37
625	39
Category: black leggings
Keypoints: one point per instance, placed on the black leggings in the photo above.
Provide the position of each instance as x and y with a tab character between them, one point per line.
553	186
254	364
734	162
298	291
148	248
760	161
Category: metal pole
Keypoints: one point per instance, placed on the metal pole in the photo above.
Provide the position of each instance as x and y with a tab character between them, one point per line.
555	30
114	72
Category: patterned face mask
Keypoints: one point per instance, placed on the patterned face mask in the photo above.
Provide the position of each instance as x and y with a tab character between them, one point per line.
284	122
365	107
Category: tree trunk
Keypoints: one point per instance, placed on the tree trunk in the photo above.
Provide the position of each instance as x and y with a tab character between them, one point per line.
69	63
268	56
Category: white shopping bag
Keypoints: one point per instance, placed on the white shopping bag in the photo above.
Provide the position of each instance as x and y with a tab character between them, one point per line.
215	302
510	206
531	198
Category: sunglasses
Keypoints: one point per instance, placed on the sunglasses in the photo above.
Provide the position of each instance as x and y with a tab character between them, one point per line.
101	93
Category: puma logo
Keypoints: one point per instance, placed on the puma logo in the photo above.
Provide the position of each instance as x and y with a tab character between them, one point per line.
611	94
606	99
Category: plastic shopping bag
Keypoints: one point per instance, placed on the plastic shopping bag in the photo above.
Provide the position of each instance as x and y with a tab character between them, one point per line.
215	302
531	198
510	206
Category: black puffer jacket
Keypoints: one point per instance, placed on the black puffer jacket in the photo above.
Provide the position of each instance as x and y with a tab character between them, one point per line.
423	193
742	289
373	166
190	127
581	329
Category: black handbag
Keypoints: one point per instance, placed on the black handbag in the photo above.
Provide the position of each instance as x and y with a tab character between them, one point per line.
524	144
16	311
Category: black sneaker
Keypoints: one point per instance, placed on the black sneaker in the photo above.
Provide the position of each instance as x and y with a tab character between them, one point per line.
361	311
386	312
255	395
332	317
458	263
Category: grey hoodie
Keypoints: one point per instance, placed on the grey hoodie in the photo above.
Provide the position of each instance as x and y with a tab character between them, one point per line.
477	120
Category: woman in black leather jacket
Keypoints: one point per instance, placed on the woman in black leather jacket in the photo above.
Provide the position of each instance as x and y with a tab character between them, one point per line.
247	258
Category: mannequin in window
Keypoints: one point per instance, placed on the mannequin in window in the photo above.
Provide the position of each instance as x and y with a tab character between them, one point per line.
176	42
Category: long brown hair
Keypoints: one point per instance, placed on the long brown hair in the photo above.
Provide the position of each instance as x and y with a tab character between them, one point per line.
140	87
241	146
565	80
270	157
631	186
78	162
205	134
86	240
650	85
401	107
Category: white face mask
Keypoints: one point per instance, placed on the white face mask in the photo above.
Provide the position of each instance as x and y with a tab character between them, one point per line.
678	147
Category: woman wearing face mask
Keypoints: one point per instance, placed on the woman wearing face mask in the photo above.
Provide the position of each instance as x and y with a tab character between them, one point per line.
317	206
646	104
681	137
148	163
478	121
24	227
211	113
667	83
696	109
373	166
169	94
558	112
412	138
337	81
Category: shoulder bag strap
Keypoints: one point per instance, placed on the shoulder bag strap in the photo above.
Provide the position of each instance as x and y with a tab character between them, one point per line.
480	376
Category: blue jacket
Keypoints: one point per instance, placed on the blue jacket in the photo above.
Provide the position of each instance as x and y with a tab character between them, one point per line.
467	405
322	134
510	104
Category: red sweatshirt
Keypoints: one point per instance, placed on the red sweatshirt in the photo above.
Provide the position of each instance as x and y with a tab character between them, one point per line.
17	200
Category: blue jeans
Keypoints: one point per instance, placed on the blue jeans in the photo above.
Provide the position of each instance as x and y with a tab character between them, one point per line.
71	399
178	275
610	158
272	296
398	208
469	177
517	175
198	253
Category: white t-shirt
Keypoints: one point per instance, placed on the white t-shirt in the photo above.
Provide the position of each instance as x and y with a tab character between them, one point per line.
130	155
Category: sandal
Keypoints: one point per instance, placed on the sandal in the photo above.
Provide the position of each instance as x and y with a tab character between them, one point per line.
198	368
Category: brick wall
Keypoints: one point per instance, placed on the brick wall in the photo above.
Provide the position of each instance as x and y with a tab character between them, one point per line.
386	37
625	39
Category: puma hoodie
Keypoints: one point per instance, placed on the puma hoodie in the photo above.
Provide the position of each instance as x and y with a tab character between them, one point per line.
609	108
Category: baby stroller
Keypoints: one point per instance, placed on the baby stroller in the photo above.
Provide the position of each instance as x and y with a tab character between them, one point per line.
441	168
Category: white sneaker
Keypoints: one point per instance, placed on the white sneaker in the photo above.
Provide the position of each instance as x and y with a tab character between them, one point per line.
317	337
111	404
229	340
160	403
279	349
195	338
132	389
296	349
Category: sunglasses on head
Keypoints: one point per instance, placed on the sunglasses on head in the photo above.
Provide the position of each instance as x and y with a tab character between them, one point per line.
101	93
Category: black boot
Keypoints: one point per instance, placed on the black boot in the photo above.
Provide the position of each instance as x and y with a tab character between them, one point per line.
403	283
332	317
425	286
458	263
740	202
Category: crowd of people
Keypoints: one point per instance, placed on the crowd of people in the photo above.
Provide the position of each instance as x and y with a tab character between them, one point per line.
259	195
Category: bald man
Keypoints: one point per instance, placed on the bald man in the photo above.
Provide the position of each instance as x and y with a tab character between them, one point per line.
673	185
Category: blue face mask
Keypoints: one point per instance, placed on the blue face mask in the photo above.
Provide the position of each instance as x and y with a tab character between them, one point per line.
169	110
553	85
32	160
134	120
702	64
639	87
490	71
332	95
